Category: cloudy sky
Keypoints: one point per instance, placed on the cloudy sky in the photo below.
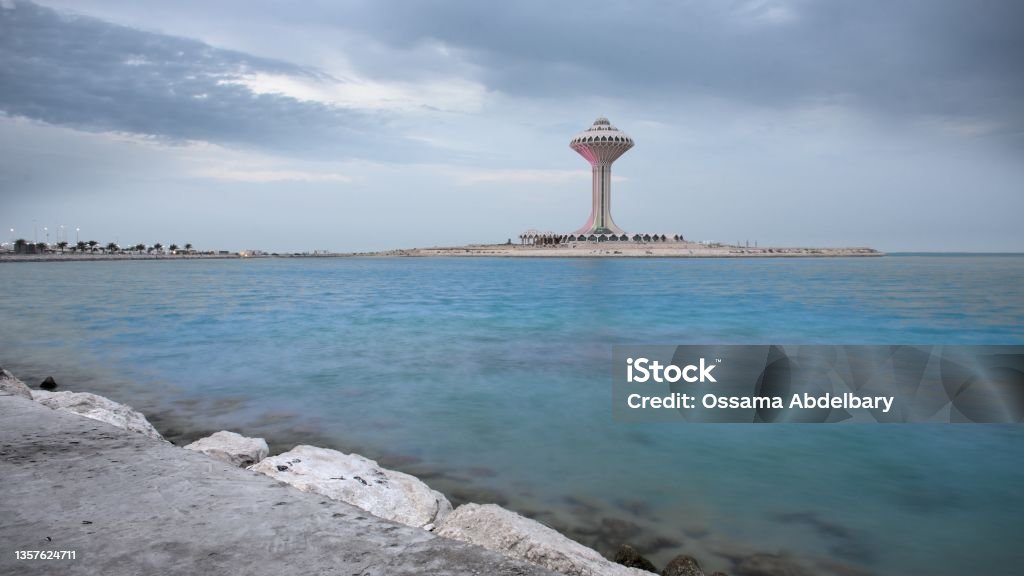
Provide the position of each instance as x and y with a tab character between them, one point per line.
354	125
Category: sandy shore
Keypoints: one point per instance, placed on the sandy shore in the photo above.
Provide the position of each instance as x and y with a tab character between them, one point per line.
573	250
626	250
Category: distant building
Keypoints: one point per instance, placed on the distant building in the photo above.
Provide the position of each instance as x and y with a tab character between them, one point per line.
26	247
601	145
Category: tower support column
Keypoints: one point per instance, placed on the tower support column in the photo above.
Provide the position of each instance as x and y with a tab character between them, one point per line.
600	221
601	145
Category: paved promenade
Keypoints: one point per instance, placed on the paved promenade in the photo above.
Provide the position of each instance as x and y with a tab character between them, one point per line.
127	505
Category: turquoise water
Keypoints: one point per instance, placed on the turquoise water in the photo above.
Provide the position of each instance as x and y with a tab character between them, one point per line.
490	378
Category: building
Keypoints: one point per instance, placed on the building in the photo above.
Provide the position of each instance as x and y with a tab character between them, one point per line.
600	145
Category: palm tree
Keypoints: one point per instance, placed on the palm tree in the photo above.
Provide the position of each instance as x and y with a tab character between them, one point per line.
174	248
81	245
41	247
188	248
158	247
92	245
62	245
140	247
112	247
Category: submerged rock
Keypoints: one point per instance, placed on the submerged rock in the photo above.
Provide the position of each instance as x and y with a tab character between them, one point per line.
770	565
97	408
232	448
48	384
682	565
508	533
359	481
9	384
628	556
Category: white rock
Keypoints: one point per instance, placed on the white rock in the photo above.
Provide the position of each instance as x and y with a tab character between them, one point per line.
359	481
97	408
232	448
508	533
11	385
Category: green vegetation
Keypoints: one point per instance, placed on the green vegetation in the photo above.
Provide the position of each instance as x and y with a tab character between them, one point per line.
23	246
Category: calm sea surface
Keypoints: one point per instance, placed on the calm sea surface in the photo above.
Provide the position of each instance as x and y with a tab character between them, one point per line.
490	379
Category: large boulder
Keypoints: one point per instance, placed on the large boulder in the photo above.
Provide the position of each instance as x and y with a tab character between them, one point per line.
232	448
359	481
628	556
9	384
682	565
97	408
508	533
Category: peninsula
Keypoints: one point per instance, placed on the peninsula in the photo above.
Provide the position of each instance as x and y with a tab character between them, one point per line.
601	145
627	249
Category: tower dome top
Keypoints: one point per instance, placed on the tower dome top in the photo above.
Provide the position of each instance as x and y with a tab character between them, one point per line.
602	132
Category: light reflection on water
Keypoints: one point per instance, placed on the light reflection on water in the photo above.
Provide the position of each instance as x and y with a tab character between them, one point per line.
490	379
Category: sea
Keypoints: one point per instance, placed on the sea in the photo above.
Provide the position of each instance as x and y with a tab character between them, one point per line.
490	379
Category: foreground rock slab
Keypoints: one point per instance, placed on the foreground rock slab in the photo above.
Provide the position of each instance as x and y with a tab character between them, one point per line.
128	505
9	384
98	408
359	481
508	533
231	447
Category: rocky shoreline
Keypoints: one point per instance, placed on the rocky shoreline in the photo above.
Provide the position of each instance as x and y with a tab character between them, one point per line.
399	497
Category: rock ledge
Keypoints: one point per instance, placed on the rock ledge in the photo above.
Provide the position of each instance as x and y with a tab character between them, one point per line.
494	528
97	408
233	448
9	384
359	481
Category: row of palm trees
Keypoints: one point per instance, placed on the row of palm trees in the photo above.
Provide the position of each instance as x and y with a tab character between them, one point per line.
21	245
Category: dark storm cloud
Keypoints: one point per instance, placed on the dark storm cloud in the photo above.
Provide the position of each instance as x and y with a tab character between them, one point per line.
922	57
951	60
89	74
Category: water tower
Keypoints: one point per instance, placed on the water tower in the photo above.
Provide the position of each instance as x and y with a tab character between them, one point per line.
601	144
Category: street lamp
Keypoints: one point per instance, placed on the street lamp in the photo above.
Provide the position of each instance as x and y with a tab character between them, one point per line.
76	234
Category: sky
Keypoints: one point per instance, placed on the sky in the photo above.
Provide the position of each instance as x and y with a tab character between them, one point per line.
373	124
